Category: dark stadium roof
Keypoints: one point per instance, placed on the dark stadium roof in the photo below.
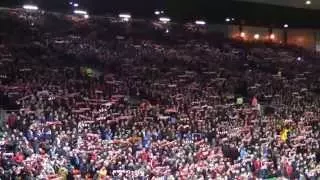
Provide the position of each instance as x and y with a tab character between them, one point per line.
246	12
315	4
213	11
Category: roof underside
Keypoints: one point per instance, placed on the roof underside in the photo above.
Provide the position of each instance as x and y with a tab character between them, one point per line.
315	4
247	12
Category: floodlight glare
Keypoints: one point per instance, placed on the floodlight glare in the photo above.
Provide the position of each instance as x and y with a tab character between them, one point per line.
200	22
256	36
86	16
70	3
128	16
80	12
308	2
272	36
242	34
227	19
157	12
75	5
286	26
164	19
30	7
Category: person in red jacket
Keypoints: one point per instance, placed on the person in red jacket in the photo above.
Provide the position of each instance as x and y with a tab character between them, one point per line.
257	165
289	170
18	158
145	156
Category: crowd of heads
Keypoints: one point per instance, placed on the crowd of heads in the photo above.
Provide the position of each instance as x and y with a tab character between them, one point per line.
103	99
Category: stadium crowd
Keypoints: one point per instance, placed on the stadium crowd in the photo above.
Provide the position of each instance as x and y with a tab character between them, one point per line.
102	99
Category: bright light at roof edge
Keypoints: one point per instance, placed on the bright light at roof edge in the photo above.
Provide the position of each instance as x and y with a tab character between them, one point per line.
157	12
272	36
286	25
242	34
308	2
30	7
164	19
76	5
256	36
200	22
86	16
227	19
80	12
124	15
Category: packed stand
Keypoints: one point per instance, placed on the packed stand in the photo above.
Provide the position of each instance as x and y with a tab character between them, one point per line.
124	103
